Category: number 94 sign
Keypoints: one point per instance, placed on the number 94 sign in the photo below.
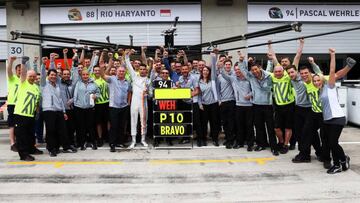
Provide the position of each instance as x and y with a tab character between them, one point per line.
15	50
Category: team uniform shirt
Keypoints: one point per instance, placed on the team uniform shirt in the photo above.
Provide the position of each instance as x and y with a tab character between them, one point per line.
242	89
13	86
27	99
208	90
225	88
104	91
330	105
283	90
261	89
82	93
119	90
301	97
189	82
196	76
313	93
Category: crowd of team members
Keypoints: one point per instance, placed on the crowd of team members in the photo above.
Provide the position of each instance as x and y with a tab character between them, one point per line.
98	99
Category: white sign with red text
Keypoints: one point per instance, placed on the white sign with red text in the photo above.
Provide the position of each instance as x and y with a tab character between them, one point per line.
120	13
306	13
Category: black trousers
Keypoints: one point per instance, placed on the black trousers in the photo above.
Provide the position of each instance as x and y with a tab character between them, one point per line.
244	125
24	133
101	118
227	113
210	114
316	123
85	125
196	120
70	126
118	121
306	136
264	114
56	135
332	134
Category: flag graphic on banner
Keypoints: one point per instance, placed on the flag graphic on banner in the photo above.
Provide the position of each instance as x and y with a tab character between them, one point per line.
165	12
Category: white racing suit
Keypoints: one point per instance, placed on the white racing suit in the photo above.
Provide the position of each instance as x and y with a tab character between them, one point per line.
138	103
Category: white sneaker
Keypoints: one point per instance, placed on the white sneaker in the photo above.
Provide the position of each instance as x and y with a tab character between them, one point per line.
132	146
144	143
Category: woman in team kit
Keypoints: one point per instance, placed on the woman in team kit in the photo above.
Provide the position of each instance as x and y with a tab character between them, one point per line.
333	116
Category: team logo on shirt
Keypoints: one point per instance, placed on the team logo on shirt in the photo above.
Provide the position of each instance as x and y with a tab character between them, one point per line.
29	103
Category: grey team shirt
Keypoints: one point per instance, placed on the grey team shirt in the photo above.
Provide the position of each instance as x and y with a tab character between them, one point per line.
226	90
119	89
301	96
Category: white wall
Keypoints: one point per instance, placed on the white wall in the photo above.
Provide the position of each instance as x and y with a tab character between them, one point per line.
220	22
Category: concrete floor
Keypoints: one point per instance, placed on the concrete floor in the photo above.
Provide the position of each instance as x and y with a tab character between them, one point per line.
198	175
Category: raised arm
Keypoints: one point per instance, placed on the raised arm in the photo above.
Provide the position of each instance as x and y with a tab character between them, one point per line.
272	53
298	53
65	51
102	71
82	55
214	83
243	66
35	64
332	78
24	68
52	61
184	57
128	64
10	65
43	71
156	57
314	66
143	55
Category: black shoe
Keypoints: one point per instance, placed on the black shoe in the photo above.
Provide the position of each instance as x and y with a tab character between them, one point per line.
52	153
301	159
327	164
14	148
279	146
36	151
292	147
82	148
88	145
73	149
112	148
284	149
334	169
225	143
94	146
275	152
204	143
249	149
216	143
259	148
100	142
27	158
229	146
57	151
199	143
345	164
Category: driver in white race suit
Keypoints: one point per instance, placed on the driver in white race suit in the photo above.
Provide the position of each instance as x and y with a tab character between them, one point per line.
140	85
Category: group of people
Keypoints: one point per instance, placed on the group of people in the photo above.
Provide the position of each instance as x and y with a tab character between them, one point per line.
102	98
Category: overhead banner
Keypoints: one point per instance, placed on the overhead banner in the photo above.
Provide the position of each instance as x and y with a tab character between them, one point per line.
119	13
2	16
305	13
